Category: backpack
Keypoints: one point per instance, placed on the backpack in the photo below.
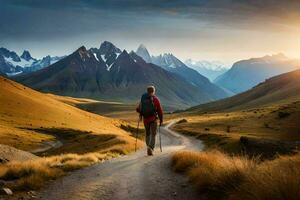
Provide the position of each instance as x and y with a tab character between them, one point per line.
147	106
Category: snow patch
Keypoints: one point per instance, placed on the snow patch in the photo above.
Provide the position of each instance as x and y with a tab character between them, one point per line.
95	55
103	58
172	66
53	61
13	73
109	67
23	63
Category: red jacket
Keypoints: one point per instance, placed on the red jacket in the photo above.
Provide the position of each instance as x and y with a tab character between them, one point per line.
158	109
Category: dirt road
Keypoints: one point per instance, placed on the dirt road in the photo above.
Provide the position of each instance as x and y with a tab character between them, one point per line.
133	177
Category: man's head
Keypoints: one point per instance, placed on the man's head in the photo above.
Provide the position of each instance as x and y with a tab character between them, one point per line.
151	90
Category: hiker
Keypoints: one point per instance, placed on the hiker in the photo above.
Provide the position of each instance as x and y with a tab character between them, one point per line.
150	110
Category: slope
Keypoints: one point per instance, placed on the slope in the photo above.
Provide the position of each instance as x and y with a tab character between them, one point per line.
27	117
279	89
172	64
245	74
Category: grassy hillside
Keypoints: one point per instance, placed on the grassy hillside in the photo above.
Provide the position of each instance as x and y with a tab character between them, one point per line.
115	110
277	90
219	176
263	117
28	118
246	137
224	130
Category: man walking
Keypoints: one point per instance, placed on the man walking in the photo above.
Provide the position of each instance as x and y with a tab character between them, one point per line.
151	110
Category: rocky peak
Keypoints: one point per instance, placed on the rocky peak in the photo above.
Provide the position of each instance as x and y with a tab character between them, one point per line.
83	53
9	54
143	52
26	55
108	48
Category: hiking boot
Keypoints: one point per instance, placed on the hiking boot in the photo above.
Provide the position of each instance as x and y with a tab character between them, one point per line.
149	151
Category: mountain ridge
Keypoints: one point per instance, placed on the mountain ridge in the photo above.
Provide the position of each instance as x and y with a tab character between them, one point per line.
245	74
281	88
12	64
87	73
172	64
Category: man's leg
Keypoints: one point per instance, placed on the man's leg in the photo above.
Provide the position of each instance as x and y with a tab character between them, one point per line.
148	132
153	129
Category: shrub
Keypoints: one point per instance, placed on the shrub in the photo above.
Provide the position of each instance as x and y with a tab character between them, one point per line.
223	176
182	121
31	175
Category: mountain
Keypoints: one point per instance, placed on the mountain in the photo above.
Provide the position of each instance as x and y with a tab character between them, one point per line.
107	54
26	115
245	74
143	52
283	88
172	64
108	73
12	64
26	56
209	69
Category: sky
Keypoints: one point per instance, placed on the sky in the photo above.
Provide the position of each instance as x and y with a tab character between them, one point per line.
224	30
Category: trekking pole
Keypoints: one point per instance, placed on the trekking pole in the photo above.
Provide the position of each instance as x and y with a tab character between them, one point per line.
137	132
159	138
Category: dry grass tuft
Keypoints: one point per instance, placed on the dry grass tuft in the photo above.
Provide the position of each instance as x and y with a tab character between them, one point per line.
31	175
223	176
277	180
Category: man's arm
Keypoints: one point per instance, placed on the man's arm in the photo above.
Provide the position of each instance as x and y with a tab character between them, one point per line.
138	108
158	110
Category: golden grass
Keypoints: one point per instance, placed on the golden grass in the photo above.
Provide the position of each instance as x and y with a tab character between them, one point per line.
224	130
264	122
32	175
23	111
225	177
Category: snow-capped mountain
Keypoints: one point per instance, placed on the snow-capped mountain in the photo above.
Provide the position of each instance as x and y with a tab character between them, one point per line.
12	64
42	63
111	74
209	69
167	61
172	64
107	54
143	52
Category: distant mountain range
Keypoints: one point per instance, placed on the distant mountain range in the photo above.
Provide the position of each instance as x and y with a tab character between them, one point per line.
172	64
111	74
245	74
209	69
284	88
12	64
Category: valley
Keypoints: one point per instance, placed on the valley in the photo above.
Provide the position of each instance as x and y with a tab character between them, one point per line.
149	100
25	113
251	142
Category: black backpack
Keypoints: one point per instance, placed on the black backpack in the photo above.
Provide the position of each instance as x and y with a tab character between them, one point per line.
147	106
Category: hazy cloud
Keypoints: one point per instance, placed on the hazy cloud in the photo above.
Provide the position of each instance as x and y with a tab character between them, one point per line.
58	26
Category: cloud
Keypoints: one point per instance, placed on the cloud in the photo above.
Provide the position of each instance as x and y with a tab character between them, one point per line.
67	23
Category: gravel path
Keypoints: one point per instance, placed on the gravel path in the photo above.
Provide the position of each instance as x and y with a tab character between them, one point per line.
134	177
